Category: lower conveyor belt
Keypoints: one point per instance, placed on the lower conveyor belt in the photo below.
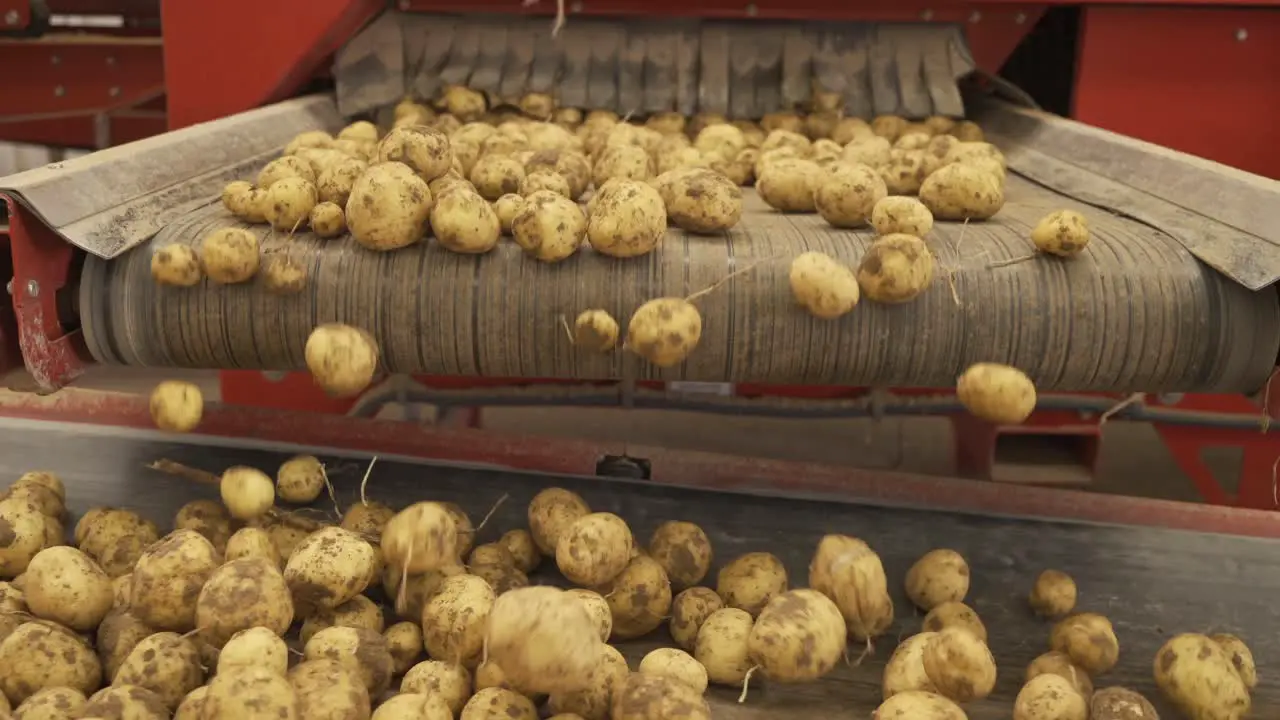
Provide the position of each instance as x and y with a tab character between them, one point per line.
1151	583
1135	312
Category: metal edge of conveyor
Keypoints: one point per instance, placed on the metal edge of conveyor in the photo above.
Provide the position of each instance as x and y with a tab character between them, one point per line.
112	200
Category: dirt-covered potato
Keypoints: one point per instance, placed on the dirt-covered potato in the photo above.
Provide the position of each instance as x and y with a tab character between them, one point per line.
342	359
677	665
750	581
58	703
629	220
918	705
255	646
905	171
449	681
176	265
1241	657
721	645
960	191
1089	640
789	184
388	207
550	513
247	492
229	255
939	576
40	655
250	692
957	615
594	549
543	639
497	175
116	637
1118	703
506	208
597	608
496	703
243	594
1057	663
13	609
328	688
623	162
329	568
847	193
549	228
308	139
657	697
544	179
595	330
289	203
896	269
167	664
328	220
1064	233
358	612
591	702
901	215
464	222
404	642
999	394
822	285
1050	697
798	637
1054	592
192	706
282	274
825	152
300	479
176	406
784	137
874	152
524	551
453	622
722	141
334	184
904	672
705	202
664	331
683	550
959	665
424	150
639	598
362	652
422	537
124	701
288	166
689	610
412	706
64	585
167	579
27	529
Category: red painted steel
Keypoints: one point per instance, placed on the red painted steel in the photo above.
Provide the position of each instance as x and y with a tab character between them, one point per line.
14	15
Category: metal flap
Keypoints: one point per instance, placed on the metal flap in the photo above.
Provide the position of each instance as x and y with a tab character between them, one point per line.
112	200
740	69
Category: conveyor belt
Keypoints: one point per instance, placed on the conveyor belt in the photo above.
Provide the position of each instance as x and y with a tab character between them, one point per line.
1137	312
1151	583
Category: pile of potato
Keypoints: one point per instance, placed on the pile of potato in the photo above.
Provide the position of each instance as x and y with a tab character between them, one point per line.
245	610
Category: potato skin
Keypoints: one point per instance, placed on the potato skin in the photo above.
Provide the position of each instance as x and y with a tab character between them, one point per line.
798	637
722	646
898	214
1002	395
629	220
955	614
918	705
551	512
1050	697
704	202
166	578
960	665
750	581
905	672
684	552
1054	592
464	222
897	268
823	286
1088	639
65	586
243	594
962	192
388	207
550	229
664	331
939	576
39	655
424	150
644	697
1195	673
176	265
229	255
847	195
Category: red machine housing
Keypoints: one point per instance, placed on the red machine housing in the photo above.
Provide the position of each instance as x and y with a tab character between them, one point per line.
1134	75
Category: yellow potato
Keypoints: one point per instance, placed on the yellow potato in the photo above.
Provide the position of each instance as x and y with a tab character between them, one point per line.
464	222
289	203
597	608
822	285
288	166
176	406
798	637
453	622
957	615
544	179
255	646
1064	233
1049	697
846	195
39	655
125	701
1117	703
901	215
327	688
997	393
506	208
623	162
918	705
888	126
960	191
959	665
388	207
1053	594
684	552
412	706
1089	640
677	665
404	642
543	638
176	265
497	175
240	595
639	598
28	528
64	585
117	636
1241	657
873	152
595	330
247	692
905	671
328	220
449	681
720	140
424	150
905	171
551	229
300	479
57	703
358	612
168	577
229	255
192	706
361	651
342	359
367	518
750	581
705	202
551	512
789	184
422	537
464	103
308	139
938	576
650	697
849	572
283	275
1057	663
167	664
247	492
629	220
689	610
328	568
664	331
722	646
594	549
497	703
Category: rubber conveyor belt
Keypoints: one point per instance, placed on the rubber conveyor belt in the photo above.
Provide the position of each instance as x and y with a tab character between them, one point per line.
1136	312
1152	583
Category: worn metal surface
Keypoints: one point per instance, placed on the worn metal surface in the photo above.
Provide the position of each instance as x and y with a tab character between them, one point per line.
743	70
109	201
1228	218
1151	583
1136	312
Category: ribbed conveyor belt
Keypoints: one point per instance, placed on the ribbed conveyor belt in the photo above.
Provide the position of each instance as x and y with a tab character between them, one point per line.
1137	312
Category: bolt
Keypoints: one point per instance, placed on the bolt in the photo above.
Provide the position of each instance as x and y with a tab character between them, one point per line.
114	92
59	91
111	60
55	60
927	15
11	17
1020	18
975	17
1242	35
8	287
751	10
33	288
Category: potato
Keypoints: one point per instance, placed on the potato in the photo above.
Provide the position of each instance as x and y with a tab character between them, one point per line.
13	609
329	568
448	681
288	166
705	202
300	479
248	205
722	646
168	577
412	706
388	207
453	622
895	269
1064	233
64	585
639	598
308	139
99	528
464	223
623	162
250	692
207	517
367	518
247	492
26	536
962	192
176	406
750	581
464	103
125	701
825	152
684	552
551	512
785	135
244	594
283	275
1089	640
498	704
918	705
497	175
255	646
229	255
901	215
656	697
167	664
192	706
1057	663
524	552
328	220
788	184
1049	697
289	203
418	588
1241	657
1117	703
722	141
358	612
594	549
117	636
544	640
629	220
798	637
959	665
847	195
664	331
506	208
1054	592
176	265
667	123
342	359
873	152
404	643
905	171
362	652
551	229
822	285
361	130
544	179
939	576
422	149
689	611
595	330
39	655
422	537
905	671
999	394
334	184
677	665
58	703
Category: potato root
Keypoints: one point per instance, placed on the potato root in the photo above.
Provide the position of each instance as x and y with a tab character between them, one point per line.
823	286
1053	595
897	268
996	393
